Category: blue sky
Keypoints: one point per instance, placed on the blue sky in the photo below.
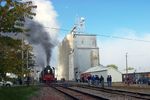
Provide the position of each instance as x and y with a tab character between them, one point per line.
105	16
122	18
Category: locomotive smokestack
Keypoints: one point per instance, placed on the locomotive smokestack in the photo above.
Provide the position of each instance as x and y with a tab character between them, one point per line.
48	49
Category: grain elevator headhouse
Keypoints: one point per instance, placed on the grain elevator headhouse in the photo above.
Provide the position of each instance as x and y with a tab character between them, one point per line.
77	53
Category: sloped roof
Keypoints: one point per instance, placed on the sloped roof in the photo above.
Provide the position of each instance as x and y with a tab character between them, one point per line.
97	68
129	71
135	71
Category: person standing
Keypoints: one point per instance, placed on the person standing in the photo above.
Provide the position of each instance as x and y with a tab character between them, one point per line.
28	80
108	80
96	80
102	81
89	80
93	80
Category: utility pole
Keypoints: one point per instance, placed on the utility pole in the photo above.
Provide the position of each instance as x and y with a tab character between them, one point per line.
22	53
27	58
126	63
22	56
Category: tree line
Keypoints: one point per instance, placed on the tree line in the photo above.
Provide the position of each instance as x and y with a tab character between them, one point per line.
13	15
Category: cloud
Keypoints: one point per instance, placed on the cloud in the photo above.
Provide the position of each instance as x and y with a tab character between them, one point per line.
113	50
46	16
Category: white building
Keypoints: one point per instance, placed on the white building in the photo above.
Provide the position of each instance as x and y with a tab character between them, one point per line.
105	71
77	53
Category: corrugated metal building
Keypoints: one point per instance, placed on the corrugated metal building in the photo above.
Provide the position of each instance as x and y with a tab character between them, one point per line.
77	53
105	71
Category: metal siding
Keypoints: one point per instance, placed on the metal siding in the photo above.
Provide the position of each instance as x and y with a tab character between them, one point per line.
116	76
85	41
99	73
71	67
81	57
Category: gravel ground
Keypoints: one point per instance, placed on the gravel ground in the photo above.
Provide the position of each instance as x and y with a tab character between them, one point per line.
143	88
134	88
48	93
105	95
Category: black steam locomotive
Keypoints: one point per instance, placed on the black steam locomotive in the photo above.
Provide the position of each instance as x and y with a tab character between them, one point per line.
47	75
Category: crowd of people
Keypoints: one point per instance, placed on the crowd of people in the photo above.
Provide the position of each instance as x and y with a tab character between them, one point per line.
96	80
133	80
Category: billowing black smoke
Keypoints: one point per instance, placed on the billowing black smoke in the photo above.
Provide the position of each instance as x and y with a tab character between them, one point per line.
38	35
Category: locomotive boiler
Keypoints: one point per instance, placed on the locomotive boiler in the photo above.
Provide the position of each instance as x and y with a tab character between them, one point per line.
47	74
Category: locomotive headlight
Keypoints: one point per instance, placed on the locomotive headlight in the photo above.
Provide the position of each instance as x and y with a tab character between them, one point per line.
48	70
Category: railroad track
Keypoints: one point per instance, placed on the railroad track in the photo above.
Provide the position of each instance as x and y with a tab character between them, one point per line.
126	94
77	94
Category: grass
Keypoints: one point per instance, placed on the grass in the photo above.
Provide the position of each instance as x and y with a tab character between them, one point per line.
17	93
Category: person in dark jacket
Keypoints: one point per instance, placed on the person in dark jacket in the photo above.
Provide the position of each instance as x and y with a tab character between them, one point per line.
89	80
28	80
96	80
108	80
102	81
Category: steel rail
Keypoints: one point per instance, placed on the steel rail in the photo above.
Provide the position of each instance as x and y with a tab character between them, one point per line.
76	97
120	92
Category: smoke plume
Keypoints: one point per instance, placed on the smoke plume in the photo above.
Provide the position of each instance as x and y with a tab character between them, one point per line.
41	33
38	35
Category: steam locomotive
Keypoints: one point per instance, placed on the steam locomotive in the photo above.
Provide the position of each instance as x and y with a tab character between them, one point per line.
47	75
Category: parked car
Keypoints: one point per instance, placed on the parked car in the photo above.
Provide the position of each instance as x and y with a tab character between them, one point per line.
6	83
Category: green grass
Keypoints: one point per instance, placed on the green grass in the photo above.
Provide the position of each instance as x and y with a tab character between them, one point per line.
17	93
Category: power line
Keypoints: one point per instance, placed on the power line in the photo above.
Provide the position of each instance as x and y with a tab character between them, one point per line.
102	35
126	63
107	36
